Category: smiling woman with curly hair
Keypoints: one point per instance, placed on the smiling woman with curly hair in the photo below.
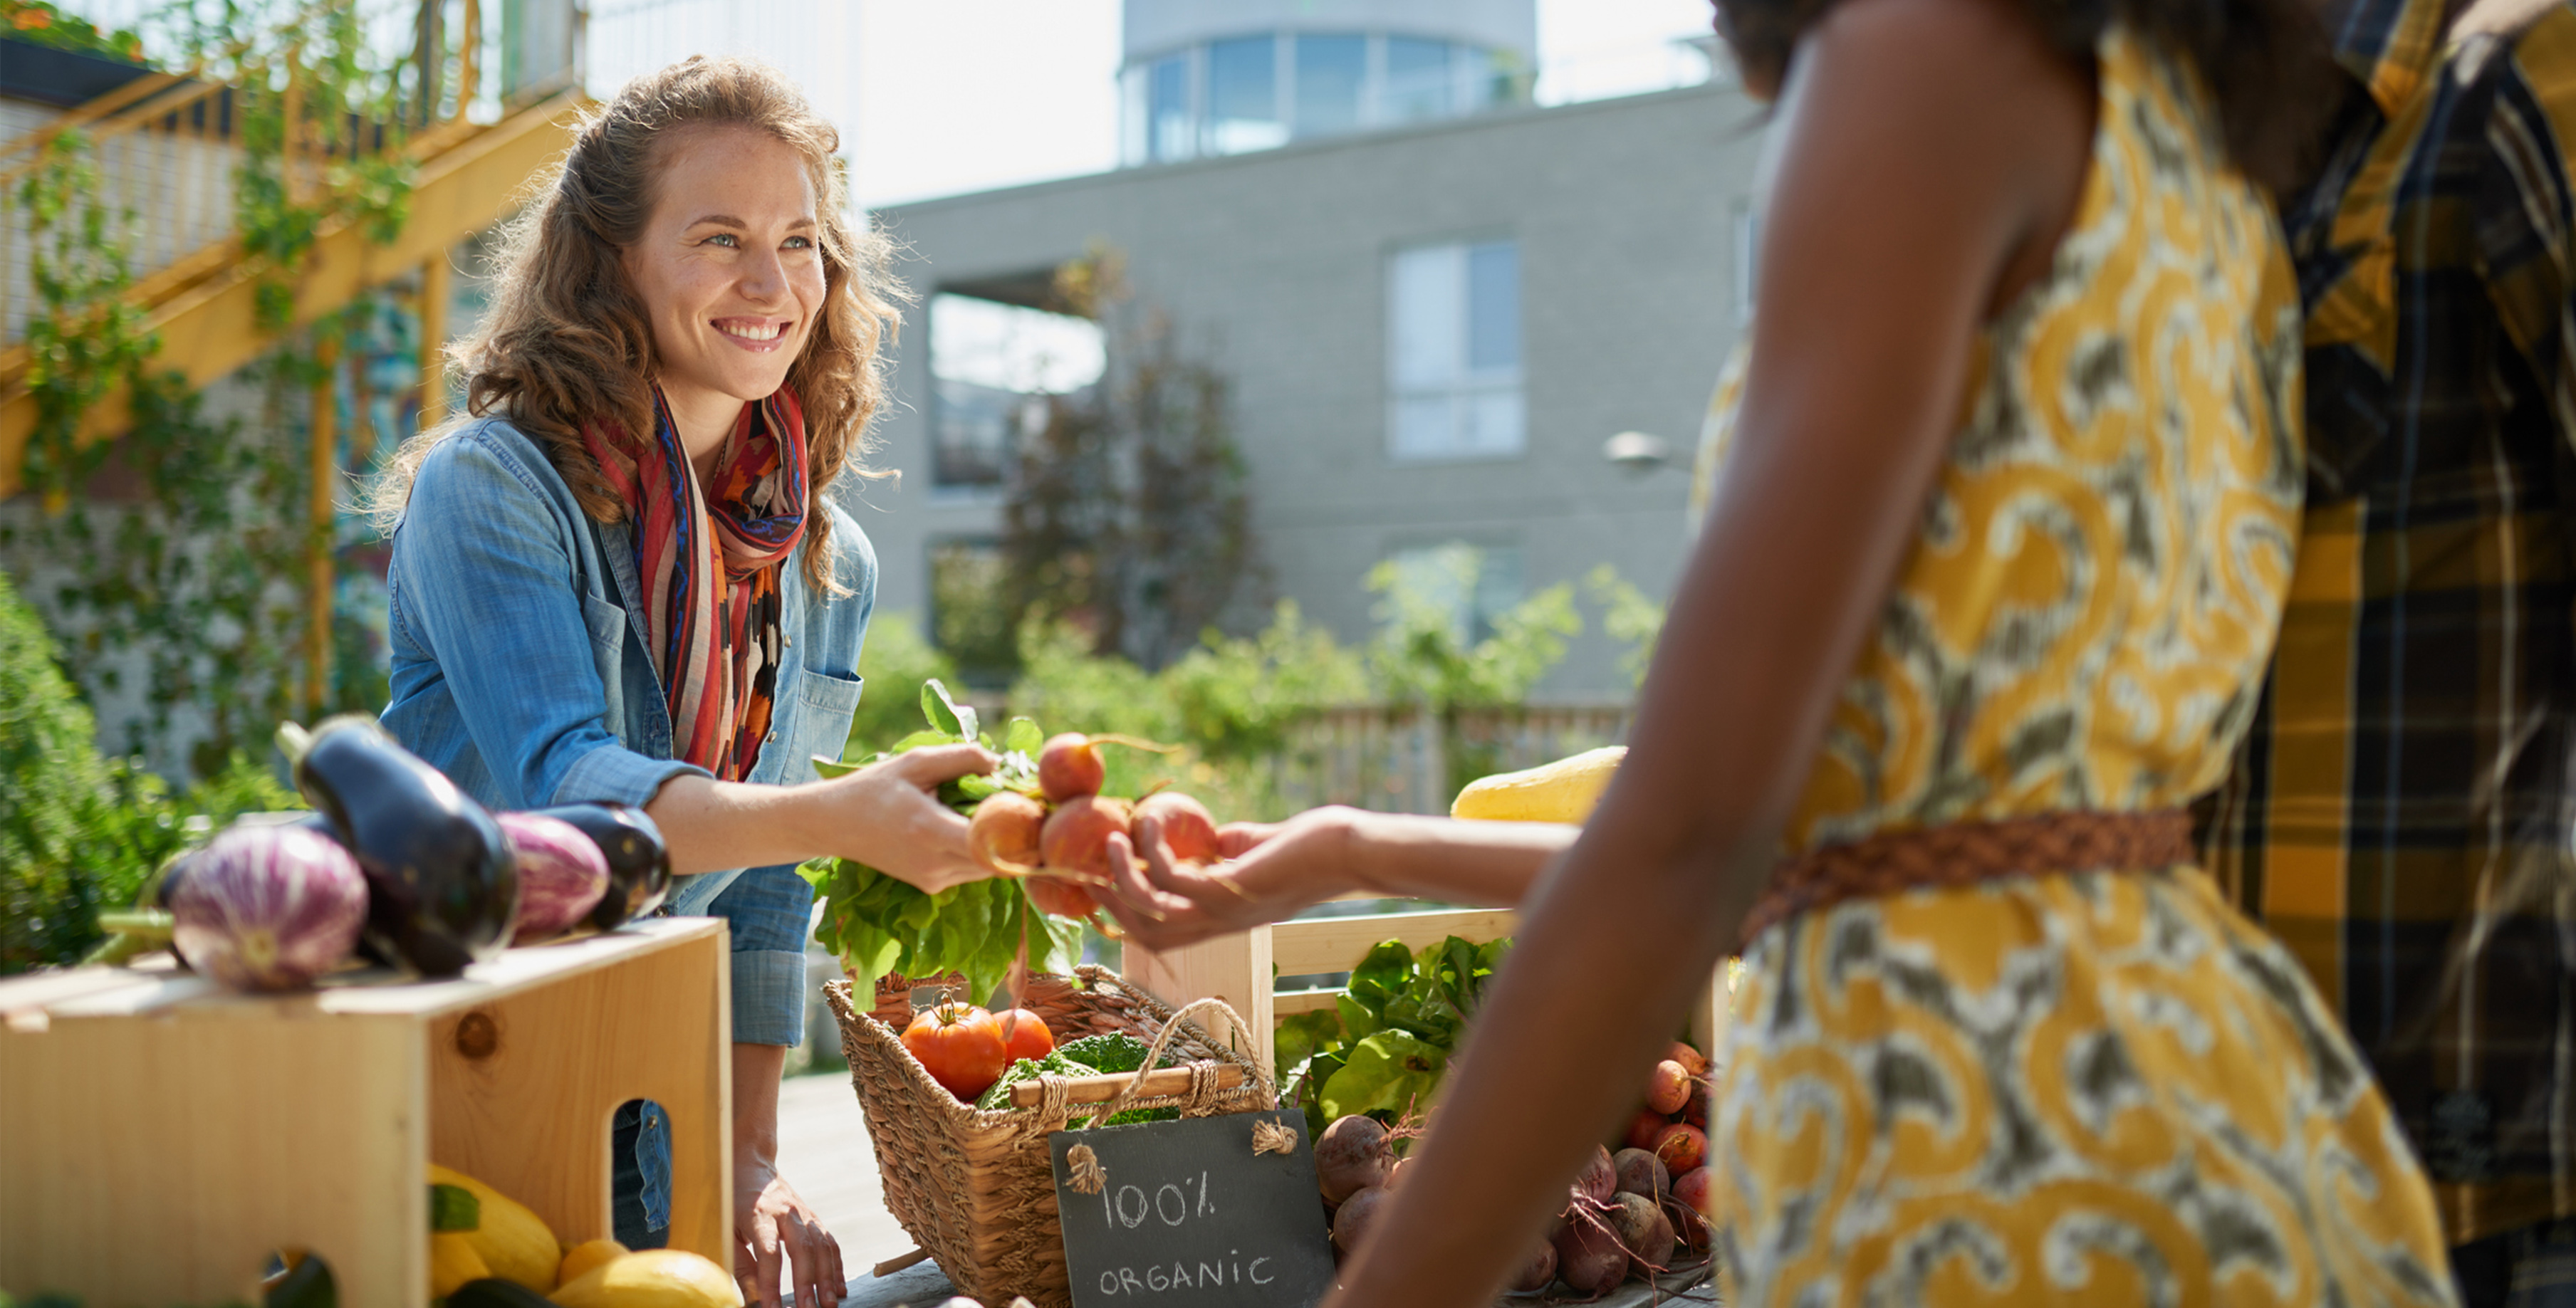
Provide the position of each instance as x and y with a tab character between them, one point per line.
621	578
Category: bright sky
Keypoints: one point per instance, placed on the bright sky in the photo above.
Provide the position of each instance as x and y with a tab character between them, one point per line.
967	95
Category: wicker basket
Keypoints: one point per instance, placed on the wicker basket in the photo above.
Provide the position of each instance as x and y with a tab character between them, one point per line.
975	1189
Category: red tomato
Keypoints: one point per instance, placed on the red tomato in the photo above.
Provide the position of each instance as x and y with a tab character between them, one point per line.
1061	898
1025	1035
961	1047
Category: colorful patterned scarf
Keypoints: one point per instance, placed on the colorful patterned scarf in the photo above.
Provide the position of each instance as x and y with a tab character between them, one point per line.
710	561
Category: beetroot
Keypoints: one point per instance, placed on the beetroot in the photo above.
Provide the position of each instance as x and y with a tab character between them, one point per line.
1351	1156
1598	1180
1695	1108
1682	1146
1688	1208
1643	1231
1187	830
1667	1086
1690	1189
1589	1257
1538	1273
1069	767
268	907
1352	1222
1003	834
1395	1174
1690	1229
1643	1128
1074	843
562	874
1642	1173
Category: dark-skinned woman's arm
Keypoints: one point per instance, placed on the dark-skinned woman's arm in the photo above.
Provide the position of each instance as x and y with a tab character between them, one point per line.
1931	153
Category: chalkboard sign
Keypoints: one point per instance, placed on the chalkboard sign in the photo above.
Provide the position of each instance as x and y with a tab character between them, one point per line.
1186	1214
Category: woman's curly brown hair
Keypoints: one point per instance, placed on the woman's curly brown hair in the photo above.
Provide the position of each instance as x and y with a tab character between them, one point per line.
567	343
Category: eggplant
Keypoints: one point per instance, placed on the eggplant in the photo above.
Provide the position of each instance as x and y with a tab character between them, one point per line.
493	1292
442	887
639	865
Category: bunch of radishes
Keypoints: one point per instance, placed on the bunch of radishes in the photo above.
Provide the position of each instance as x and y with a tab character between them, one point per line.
1672	1123
1059	838
1625	1215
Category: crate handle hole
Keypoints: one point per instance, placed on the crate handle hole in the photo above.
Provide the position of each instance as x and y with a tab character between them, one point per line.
639	1174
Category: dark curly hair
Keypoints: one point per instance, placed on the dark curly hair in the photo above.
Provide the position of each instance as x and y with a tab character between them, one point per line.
2264	60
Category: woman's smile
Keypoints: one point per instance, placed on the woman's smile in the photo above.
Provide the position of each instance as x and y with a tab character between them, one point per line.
759	335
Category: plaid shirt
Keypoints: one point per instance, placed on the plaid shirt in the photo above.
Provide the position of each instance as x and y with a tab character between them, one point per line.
2400	814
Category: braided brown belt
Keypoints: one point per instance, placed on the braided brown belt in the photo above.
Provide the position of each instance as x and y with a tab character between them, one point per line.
1964	853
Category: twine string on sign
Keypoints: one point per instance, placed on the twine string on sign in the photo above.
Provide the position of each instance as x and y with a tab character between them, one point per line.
1269	1137
1083	1170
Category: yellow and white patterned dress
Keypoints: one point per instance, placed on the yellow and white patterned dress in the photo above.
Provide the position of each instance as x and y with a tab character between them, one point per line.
2095	1088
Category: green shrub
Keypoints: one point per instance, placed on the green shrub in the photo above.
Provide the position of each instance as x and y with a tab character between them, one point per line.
79	833
892	666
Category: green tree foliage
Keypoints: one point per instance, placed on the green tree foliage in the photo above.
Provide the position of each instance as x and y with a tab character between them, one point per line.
893	666
1130	514
77	832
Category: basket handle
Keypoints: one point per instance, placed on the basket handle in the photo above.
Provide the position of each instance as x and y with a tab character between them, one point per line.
1154	1054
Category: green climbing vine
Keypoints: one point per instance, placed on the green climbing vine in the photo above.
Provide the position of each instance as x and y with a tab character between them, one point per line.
176	553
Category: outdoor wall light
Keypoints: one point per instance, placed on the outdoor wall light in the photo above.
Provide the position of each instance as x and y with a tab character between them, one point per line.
1638	452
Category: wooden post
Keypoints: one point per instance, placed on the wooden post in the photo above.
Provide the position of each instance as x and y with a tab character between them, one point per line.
467	56
433	340
1233	968
322	521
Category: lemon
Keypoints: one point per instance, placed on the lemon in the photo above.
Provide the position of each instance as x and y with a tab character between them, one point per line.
652	1278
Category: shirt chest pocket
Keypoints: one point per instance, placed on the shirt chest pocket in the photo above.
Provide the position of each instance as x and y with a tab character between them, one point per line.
824	705
607	624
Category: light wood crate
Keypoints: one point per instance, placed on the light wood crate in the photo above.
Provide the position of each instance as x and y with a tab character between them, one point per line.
1240	968
160	1136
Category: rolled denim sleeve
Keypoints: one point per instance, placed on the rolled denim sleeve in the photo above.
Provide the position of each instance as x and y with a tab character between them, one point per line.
771	910
495	599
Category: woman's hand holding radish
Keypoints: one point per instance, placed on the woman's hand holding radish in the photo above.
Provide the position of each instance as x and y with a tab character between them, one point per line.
886	815
890	818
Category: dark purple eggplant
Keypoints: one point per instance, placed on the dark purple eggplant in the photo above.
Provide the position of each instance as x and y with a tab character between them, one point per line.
442	888
639	865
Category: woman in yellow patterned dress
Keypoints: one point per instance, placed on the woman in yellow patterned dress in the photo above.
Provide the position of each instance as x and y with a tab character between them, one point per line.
1994	561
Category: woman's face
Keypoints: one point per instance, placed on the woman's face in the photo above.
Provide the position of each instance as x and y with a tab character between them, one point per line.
730	270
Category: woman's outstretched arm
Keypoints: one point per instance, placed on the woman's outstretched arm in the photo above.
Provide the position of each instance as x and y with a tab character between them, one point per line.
1928	148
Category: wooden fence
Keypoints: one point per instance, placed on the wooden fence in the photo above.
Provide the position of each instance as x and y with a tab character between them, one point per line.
1406	760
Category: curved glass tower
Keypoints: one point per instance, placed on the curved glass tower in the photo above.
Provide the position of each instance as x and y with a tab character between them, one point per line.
1212	77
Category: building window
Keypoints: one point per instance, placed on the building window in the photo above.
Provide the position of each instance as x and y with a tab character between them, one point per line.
993	368
1331	71
1243	95
1467	584
970	615
1167	89
1454	353
1255	92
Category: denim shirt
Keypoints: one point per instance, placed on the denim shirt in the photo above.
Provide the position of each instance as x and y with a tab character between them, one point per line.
521	672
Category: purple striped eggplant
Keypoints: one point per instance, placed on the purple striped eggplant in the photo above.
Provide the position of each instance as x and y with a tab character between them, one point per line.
639	865
268	907
562	874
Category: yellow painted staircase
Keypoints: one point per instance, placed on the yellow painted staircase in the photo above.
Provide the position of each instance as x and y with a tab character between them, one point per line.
199	295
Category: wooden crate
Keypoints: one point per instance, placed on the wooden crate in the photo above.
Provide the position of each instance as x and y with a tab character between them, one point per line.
1240	968
160	1136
